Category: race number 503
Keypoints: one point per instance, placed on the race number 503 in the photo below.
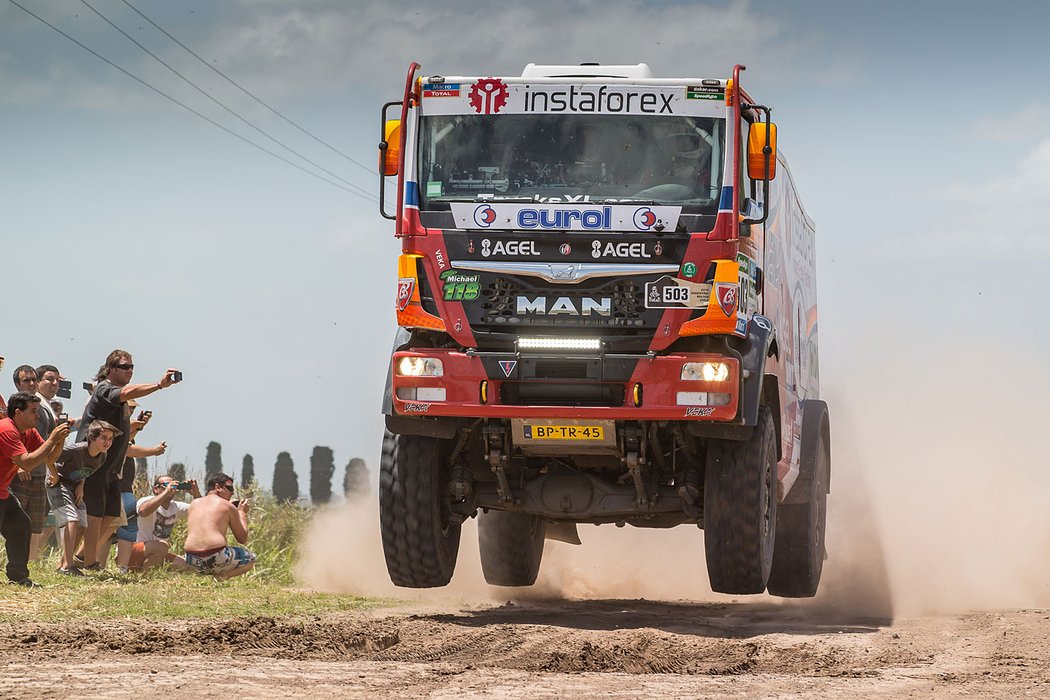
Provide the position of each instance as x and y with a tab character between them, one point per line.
673	295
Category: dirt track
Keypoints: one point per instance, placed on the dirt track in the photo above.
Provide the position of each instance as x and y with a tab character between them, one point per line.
609	648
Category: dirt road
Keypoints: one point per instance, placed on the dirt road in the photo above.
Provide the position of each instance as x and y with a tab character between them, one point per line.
606	648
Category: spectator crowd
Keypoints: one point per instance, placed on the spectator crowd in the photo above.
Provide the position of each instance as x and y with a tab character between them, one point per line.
74	476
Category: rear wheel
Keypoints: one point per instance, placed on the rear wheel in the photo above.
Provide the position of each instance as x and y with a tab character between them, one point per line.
740	509
798	558
511	547
420	540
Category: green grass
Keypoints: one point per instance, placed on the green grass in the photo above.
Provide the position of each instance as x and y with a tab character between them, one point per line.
269	589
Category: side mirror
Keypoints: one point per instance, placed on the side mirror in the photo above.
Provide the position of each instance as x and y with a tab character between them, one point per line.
390	148
757	154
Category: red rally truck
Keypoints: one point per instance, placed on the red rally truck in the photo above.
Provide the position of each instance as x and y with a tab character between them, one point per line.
607	313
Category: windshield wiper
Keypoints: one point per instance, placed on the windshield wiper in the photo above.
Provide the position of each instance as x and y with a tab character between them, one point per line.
629	202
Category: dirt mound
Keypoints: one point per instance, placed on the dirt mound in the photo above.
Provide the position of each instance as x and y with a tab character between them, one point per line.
258	636
602	648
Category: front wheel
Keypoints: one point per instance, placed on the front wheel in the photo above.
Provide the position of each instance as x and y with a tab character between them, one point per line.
740	509
511	547
798	558
420	540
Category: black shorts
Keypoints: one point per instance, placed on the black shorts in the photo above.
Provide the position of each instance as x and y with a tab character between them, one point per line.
102	496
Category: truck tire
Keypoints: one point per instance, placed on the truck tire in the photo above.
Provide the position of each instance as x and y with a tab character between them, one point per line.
740	509
511	547
798	557
420	541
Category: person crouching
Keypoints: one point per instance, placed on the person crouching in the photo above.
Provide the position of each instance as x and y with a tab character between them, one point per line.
156	518
209	520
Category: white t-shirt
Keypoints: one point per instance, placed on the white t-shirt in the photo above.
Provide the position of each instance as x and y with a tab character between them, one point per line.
157	525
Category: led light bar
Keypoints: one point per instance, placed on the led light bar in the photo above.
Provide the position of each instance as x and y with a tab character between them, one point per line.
559	343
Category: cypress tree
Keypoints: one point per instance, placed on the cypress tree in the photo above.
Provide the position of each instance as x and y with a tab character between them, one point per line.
141	485
322	466
212	460
355	482
177	471
247	471
285	482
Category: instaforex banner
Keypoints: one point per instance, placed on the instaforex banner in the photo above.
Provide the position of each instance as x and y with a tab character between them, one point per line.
501	96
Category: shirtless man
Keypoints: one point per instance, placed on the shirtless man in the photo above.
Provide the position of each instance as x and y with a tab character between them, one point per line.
209	520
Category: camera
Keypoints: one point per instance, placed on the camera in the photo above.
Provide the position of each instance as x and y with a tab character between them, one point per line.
183	486
176	376
236	503
145	415
64	418
88	386
64	389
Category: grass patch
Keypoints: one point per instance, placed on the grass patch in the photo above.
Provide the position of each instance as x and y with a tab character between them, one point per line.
275	530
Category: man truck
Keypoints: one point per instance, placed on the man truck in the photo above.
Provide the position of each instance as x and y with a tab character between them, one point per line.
606	308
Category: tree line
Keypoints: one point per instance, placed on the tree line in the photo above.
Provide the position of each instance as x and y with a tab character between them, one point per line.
285	480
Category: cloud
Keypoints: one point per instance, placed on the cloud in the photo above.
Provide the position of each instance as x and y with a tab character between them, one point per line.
971	215
284	51
1010	127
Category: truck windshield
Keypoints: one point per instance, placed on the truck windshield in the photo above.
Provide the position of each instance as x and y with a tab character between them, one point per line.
665	160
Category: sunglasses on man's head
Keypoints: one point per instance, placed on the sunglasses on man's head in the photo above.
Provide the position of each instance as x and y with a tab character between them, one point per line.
124	365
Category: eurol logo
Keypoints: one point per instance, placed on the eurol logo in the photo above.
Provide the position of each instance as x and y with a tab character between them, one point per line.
645	218
484	216
564	217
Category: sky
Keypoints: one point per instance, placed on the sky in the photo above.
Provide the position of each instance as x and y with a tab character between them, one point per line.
915	132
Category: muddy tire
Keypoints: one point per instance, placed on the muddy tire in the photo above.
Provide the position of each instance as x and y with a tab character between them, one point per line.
420	542
740	509
798	557
511	547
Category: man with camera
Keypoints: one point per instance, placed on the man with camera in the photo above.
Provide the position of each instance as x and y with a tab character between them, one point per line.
109	402
29	488
209	520
156	518
22	450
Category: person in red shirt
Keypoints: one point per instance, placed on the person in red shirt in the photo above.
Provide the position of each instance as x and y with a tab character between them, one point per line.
21	451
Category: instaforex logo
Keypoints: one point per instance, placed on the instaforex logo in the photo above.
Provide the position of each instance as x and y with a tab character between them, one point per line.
488	96
602	100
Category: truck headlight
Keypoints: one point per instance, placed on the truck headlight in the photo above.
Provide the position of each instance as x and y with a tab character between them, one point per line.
420	367
705	371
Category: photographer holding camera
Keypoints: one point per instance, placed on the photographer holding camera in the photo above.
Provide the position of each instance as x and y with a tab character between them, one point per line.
22	451
29	488
209	520
157	515
109	402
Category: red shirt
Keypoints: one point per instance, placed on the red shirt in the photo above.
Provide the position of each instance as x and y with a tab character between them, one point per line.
13	443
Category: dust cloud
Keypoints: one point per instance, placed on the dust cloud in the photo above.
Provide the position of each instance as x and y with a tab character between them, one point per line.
939	504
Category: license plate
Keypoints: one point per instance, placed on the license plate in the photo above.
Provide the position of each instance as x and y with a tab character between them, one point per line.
564	432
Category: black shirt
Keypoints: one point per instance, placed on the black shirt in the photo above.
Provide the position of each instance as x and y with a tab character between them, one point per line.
105	404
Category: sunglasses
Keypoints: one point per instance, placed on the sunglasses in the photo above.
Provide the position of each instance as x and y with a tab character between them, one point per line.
228	487
124	365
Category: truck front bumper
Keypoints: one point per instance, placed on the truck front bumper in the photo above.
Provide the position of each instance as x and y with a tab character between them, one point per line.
610	387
